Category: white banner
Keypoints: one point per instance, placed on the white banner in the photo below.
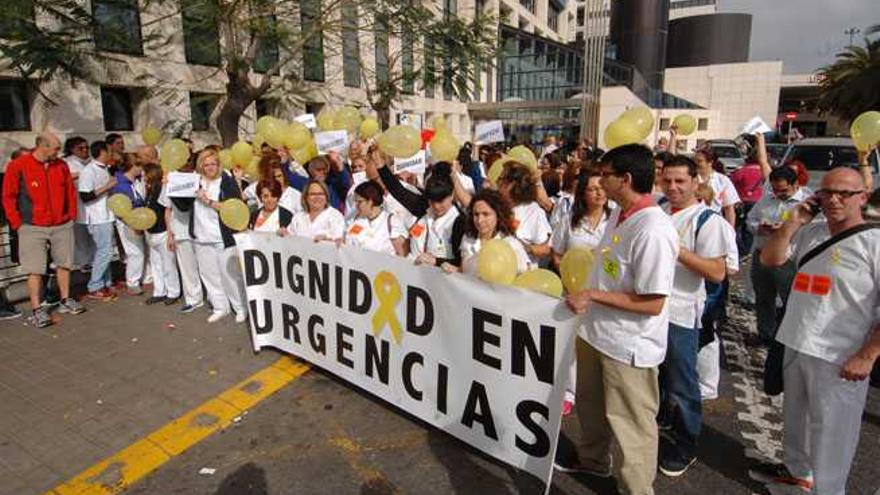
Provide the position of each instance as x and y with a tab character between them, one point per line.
182	185
489	132
755	126
331	141
487	364
307	119
415	164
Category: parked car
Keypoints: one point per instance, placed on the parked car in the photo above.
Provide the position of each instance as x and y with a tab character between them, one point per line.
727	152
819	155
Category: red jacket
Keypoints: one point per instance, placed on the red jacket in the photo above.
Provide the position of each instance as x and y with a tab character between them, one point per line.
38	194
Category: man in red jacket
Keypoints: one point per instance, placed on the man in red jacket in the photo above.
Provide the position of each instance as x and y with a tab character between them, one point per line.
40	202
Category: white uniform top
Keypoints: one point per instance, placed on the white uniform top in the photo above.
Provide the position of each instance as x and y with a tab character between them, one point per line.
76	165
179	226
375	234
206	220
290	199
532	226
95	175
328	223
637	257
769	210
689	288
582	235
725	191
433	235
357	179
466	183
272	223
731	258
470	248
834	302
563	203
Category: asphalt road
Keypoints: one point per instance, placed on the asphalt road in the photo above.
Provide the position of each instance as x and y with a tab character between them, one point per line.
320	435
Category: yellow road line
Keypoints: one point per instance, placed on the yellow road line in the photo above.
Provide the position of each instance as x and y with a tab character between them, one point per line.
119	471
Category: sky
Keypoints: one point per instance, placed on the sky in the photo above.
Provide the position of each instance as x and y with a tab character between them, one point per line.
804	34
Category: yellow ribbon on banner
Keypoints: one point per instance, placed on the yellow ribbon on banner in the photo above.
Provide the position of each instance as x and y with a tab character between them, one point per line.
387	290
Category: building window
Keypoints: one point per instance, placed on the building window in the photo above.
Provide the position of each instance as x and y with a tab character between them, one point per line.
664	124
201	106
351	48
532	68
429	75
580	16
15	111
681	145
381	52
553	17
407	62
201	36
18	14
314	107
116	104
117	26
265	106
579	37
313	48
702	124
450	8
700	144
528	4
267	53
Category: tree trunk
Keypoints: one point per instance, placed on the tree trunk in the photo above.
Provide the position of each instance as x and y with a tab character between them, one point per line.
239	95
384	114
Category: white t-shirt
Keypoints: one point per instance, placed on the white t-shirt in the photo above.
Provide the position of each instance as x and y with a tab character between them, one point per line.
207	220
179	222
725	191
770	210
731	258
582	235
76	165
562	206
270	224
433	235
532	226
93	212
329	223
357	179
375	234
637	257
689	288
466	183
834	302
470	248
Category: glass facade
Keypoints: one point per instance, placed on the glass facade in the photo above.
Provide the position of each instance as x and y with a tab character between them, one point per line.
117	26
201	36
15	112
267	52
381	52
117	108
534	68
313	48
351	71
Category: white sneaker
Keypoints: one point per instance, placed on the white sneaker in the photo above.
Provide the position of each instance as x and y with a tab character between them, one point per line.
217	316
240	317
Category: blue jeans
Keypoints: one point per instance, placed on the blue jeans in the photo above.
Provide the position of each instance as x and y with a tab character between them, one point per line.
680	389
768	283
102	234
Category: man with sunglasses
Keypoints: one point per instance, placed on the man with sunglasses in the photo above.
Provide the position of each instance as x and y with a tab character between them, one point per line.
831	332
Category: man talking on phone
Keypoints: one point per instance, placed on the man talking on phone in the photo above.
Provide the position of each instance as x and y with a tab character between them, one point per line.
765	218
831	332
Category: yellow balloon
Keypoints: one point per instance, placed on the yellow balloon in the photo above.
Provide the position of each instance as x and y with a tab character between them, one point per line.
444	147
253	168
496	262
140	218
438	122
234	214
241	153
865	130
642	118
685	124
297	135
151	136
226	159
540	280
400	141
119	204
275	133
498	167
621	132
174	154
257	143
524	155
369	128
326	119
575	268
349	119
304	154
263	124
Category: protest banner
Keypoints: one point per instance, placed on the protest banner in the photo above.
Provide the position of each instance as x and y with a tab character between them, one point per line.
415	164
308	120
182	185
331	141
484	363
489	132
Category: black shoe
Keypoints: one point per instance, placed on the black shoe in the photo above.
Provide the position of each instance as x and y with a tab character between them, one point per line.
171	300
571	464
154	300
9	313
674	464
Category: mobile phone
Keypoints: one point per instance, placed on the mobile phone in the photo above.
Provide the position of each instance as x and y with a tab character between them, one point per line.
813	202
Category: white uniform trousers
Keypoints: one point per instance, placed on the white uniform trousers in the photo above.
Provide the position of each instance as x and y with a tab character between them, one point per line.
218	269
822	417
136	253
166	280
188	263
709	369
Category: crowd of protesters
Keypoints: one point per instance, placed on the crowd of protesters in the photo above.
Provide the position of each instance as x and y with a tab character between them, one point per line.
668	231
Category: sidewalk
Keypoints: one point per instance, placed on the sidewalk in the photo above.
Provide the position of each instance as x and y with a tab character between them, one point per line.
80	390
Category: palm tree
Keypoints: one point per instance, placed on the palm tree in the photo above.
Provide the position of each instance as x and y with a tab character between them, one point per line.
848	87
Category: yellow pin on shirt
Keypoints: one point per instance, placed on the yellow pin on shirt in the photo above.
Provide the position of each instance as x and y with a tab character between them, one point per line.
835	256
615	239
786	215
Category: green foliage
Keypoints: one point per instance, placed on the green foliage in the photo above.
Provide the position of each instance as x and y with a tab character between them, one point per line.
849	86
